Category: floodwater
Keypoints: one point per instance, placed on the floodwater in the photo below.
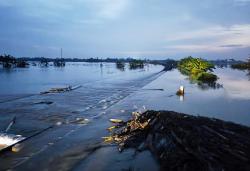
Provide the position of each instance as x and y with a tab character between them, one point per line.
228	100
79	118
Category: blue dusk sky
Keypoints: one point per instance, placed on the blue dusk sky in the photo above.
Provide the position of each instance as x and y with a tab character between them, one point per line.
155	29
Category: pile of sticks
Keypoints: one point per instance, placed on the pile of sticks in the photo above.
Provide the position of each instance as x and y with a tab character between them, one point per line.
185	142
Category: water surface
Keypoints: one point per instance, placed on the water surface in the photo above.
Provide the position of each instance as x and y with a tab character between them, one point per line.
229	101
106	92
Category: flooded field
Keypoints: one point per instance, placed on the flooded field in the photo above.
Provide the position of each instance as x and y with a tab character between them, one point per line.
78	119
228	100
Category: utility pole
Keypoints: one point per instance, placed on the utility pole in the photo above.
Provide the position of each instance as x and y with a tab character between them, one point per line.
61	53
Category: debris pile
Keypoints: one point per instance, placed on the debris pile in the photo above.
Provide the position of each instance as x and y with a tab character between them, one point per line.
185	142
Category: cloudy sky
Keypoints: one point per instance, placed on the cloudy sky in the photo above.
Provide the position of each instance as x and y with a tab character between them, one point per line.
153	29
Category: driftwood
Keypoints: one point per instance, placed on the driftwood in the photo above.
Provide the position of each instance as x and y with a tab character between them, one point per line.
184	142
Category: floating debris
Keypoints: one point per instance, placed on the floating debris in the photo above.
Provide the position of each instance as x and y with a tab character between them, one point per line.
156	89
135	107
102	101
44	102
112	127
108	139
61	90
58	123
136	115
80	121
105	107
185	142
116	120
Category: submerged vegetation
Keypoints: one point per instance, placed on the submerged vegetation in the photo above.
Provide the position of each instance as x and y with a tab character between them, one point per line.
59	62
44	62
197	69
120	65
245	66
136	63
8	61
170	64
242	66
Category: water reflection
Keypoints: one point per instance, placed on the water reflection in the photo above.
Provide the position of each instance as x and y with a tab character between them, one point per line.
120	65
229	102
248	74
36	78
136	64
203	85
206	86
181	98
235	82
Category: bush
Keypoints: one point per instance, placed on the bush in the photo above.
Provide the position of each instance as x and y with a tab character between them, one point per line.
21	64
59	62
120	65
242	66
197	69
135	64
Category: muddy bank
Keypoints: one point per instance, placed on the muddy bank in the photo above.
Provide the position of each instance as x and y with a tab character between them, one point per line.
184	142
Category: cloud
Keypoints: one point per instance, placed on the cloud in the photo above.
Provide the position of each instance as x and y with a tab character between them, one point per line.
211	39
88	21
127	27
111	9
230	46
242	1
143	53
46	47
83	9
7	3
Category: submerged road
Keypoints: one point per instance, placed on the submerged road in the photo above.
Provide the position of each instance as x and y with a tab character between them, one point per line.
73	143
